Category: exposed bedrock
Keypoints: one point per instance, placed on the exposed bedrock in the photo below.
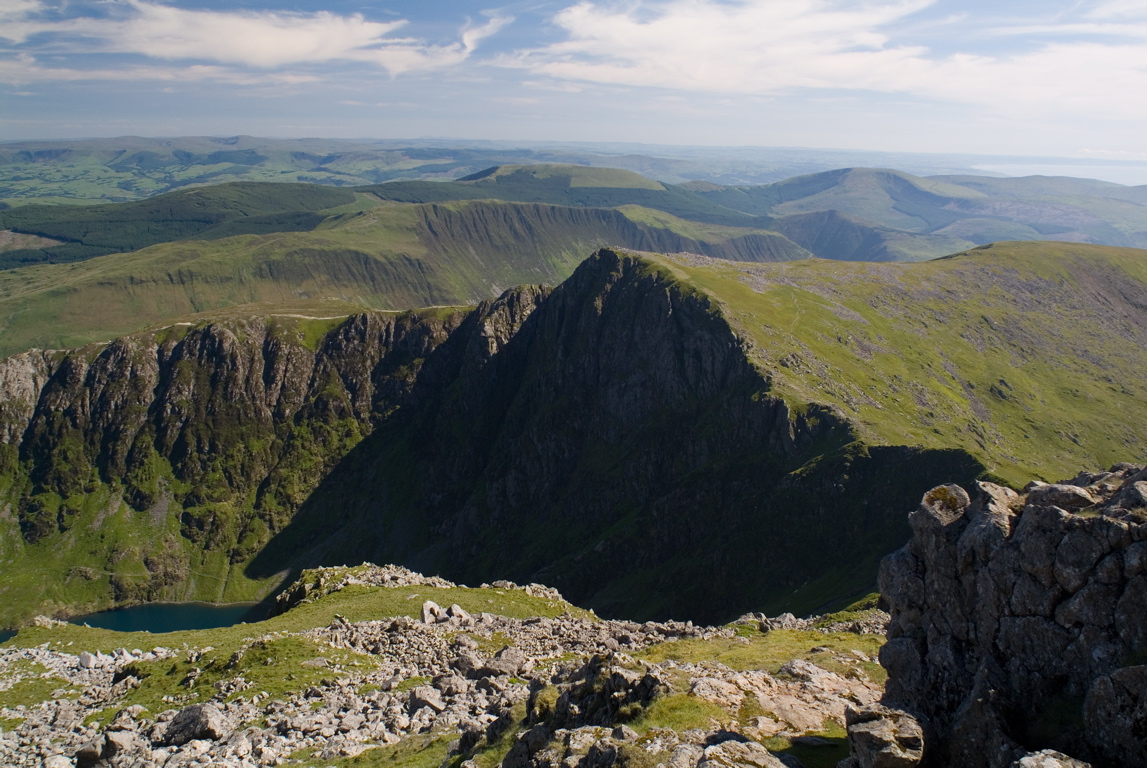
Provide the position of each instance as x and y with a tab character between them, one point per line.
1019	622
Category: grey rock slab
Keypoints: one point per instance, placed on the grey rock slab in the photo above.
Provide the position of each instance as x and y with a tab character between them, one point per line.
197	722
426	696
739	754
432	612
882	737
1048	758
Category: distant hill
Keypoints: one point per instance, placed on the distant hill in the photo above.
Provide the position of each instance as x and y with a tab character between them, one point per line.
567	185
210	213
416	243
373	255
132	167
970	208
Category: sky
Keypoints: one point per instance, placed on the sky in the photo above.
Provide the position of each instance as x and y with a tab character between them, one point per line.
1022	77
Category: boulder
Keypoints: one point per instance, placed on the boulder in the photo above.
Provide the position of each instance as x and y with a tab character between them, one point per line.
425	696
739	754
90	753
432	612
881	737
198	721
120	743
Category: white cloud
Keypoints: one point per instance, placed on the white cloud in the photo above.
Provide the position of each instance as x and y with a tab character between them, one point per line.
406	56
265	40
765	47
748	46
25	69
262	40
1114	9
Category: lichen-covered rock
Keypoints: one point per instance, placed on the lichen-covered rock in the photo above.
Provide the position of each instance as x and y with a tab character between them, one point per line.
1014	616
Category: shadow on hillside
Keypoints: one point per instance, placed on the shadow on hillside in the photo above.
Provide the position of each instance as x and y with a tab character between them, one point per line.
345	521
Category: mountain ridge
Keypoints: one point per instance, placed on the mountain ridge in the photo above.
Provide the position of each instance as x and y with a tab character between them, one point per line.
560	405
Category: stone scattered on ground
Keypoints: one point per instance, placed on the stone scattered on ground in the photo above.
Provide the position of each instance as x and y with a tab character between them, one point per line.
557	691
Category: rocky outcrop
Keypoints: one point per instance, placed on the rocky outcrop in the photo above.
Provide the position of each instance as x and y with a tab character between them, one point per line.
879	737
1019	622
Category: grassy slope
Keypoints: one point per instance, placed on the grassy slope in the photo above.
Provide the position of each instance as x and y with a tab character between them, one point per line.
367	253
378	259
1026	355
1010	352
206	214
565	185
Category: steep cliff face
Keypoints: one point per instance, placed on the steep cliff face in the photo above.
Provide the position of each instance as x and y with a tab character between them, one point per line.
491	227
1019	622
211	437
610	437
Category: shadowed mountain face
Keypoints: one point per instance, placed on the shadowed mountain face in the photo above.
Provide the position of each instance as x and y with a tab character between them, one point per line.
657	436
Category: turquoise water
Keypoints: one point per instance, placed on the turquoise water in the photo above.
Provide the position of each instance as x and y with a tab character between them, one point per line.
7	634
173	617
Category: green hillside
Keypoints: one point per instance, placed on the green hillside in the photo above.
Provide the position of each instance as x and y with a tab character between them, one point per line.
838	236
134	168
1023	354
202	214
1011	362
857	214
570	435
565	185
384	257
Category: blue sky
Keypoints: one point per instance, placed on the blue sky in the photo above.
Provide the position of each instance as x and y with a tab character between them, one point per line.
1017	77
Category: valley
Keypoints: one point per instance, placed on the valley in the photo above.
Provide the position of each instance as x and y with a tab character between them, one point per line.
807	403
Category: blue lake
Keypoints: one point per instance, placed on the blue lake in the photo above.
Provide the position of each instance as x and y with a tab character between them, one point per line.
173	617
7	634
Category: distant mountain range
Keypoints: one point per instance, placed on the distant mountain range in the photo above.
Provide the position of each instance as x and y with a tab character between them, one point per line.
132	167
416	243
